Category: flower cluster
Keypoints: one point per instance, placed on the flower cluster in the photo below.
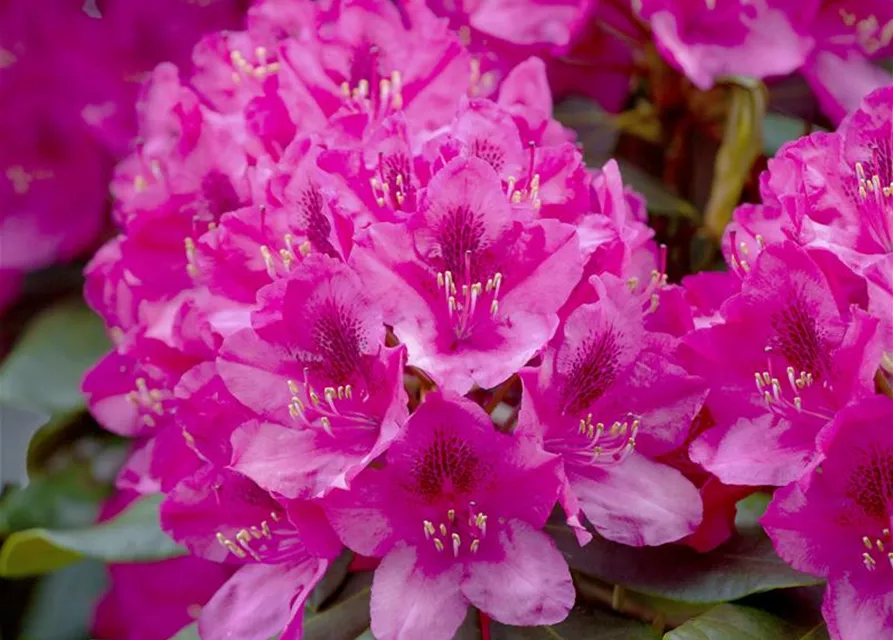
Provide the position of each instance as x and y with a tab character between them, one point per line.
367	295
599	49
68	80
815	263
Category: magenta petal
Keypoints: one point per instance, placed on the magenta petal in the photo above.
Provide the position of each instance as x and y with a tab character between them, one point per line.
852	614
359	516
530	585
260	600
297	463
637	502
758	451
409	603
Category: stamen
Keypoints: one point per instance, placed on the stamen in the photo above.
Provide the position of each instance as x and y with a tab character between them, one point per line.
456	544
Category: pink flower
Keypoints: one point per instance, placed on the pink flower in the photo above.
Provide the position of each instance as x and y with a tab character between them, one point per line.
836	521
608	398
793	349
500	34
153	600
315	371
471	289
731	37
455	513
849	36
831	191
282	553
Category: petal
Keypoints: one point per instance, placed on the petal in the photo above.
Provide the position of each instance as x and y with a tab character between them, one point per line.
294	463
358	516
260	600
409	603
530	585
853	613
638	501
765	450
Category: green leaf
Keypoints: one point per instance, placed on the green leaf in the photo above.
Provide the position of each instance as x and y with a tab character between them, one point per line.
133	536
745	564
594	128
330	582
62	605
819	633
749	510
742	143
189	632
17	429
733	622
67	499
661	201
584	621
45	368
348	615
779	130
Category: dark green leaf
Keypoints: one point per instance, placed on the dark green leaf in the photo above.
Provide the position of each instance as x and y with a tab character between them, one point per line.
819	633
45	368
348	615
69	498
744	565
330	582
733	622
17	428
586	621
62	604
593	126
660	200
133	536
779	129
471	626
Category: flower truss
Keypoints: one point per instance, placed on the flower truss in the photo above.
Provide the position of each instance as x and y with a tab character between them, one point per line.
366	294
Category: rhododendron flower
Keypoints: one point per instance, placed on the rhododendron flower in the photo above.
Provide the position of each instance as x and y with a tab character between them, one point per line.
67	85
315	367
730	37
455	512
834	191
793	349
472	292
849	35
222	516
836	521
608	398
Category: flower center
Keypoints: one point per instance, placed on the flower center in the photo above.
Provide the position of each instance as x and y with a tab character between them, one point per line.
338	407
252	541
461	531
879	549
593	370
393	184
263	67
464	299
598	443
800	340
149	402
783	399
876	206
